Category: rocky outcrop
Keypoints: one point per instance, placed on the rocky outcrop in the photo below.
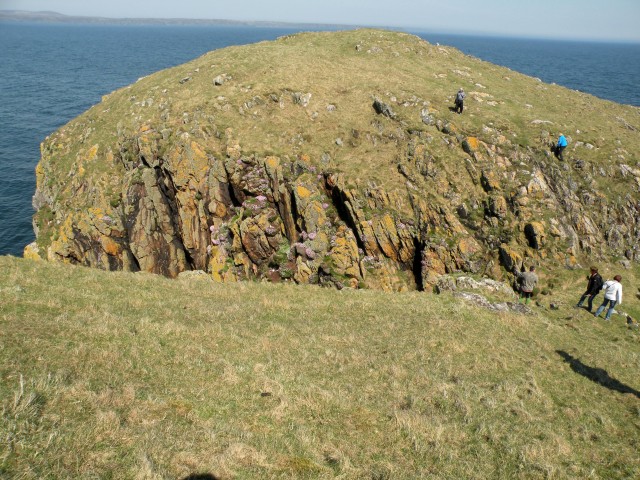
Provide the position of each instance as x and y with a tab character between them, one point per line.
249	181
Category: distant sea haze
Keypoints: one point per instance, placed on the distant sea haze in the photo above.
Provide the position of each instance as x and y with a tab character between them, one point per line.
52	73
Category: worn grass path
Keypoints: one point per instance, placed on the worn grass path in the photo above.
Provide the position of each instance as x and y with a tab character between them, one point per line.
116	375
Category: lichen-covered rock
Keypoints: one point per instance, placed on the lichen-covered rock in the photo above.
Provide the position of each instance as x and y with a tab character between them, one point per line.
470	145
344	254
481	301
464	283
509	258
498	206
260	237
32	252
490	180
538	187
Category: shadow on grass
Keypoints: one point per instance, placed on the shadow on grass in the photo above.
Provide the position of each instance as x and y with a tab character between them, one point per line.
597	375
200	476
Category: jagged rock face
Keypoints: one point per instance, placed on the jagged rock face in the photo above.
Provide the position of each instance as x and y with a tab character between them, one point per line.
205	167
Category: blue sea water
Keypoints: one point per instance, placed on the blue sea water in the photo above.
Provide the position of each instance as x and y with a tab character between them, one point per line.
49	74
606	70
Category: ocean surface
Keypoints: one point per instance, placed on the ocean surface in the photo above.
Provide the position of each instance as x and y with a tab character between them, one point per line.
49	74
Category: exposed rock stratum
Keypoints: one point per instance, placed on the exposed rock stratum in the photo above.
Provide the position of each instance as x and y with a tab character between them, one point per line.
334	158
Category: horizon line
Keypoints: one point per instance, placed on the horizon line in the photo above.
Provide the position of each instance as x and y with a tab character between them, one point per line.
52	17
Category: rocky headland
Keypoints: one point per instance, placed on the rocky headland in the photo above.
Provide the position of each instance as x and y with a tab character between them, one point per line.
336	159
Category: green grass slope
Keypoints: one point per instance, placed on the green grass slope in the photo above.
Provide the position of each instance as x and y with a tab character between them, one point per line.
347	70
134	376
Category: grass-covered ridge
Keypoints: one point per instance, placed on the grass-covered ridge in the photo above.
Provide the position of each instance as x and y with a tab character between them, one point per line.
121	375
347	70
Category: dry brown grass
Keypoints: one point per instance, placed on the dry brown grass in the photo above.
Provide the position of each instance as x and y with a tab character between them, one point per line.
115	375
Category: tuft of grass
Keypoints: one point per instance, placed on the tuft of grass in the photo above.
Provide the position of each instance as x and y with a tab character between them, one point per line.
121	375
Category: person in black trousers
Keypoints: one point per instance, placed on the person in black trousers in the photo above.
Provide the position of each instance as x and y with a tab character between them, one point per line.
560	146
593	288
460	101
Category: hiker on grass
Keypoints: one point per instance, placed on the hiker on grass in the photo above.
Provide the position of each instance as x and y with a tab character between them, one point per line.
528	280
560	146
593	288
460	101
612	296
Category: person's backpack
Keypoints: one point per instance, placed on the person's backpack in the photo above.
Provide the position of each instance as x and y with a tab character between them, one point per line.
459	97
597	283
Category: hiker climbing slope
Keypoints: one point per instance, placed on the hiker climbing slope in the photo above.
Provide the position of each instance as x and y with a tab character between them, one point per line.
459	104
560	146
612	296
593	288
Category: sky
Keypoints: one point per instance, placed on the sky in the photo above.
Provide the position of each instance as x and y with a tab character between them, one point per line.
614	20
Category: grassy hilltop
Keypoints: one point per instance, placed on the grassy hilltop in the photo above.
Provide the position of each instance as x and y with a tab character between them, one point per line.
123	375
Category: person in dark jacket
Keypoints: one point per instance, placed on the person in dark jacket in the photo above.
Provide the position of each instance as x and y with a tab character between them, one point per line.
460	101
593	288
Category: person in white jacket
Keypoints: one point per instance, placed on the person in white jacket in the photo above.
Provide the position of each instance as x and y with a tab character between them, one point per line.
612	296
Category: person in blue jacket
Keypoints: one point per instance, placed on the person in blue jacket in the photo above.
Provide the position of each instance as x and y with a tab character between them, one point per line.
560	146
